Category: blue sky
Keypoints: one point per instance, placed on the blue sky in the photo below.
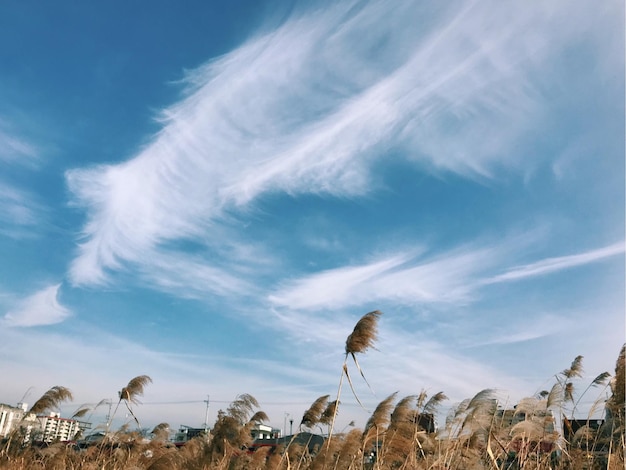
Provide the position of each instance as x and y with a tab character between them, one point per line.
213	195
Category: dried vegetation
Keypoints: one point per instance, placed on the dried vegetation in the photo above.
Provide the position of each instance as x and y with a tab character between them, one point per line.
479	433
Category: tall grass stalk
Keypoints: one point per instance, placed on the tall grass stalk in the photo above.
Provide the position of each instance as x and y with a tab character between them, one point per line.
363	337
130	394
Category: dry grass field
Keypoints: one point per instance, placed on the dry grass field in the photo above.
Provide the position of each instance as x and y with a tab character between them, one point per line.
478	433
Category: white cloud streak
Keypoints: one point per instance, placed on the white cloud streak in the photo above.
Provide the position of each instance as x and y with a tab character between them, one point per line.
19	210
14	148
451	278
41	308
552	265
186	277
308	107
16	207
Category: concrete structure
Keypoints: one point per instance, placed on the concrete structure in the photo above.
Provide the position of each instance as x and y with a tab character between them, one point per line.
186	433
261	431
11	417
54	428
313	442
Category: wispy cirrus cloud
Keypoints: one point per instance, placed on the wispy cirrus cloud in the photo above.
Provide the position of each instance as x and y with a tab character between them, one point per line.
19	208
20	211
15	148
550	265
41	308
315	291
449	278
185	276
403	278
311	105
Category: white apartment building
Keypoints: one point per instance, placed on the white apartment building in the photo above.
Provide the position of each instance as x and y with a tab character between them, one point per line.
54	428
10	417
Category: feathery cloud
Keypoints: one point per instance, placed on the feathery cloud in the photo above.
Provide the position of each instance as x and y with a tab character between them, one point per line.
550	265
453	277
287	113
41	308
19	210
16	207
13	147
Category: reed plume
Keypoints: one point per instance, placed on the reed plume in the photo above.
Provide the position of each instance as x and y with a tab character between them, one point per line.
242	407
575	370
375	428
454	417
363	337
434	402
161	431
480	417
618	385
134	389
529	429
555	397
399	435
351	454
531	406
231	431
381	416
259	417
329	412
51	399
620	380
402	411
364	334
313	415
130	394
81	411
568	392
482	398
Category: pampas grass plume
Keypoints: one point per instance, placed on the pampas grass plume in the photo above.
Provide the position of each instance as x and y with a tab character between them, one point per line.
364	334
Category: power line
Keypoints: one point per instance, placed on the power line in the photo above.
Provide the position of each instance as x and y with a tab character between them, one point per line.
190	402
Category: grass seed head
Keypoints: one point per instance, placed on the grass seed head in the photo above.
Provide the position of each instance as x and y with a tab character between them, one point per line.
135	388
313	415
51	399
575	370
382	414
329	412
364	334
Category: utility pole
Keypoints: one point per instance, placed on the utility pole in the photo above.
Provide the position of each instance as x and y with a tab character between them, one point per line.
206	416
110	403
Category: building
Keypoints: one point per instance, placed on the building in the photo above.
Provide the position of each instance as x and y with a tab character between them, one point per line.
261	431
186	433
12	416
572	426
313	442
54	428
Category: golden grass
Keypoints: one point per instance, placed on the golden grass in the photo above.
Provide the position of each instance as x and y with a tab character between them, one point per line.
134	389
364	334
313	415
479	433
51	399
